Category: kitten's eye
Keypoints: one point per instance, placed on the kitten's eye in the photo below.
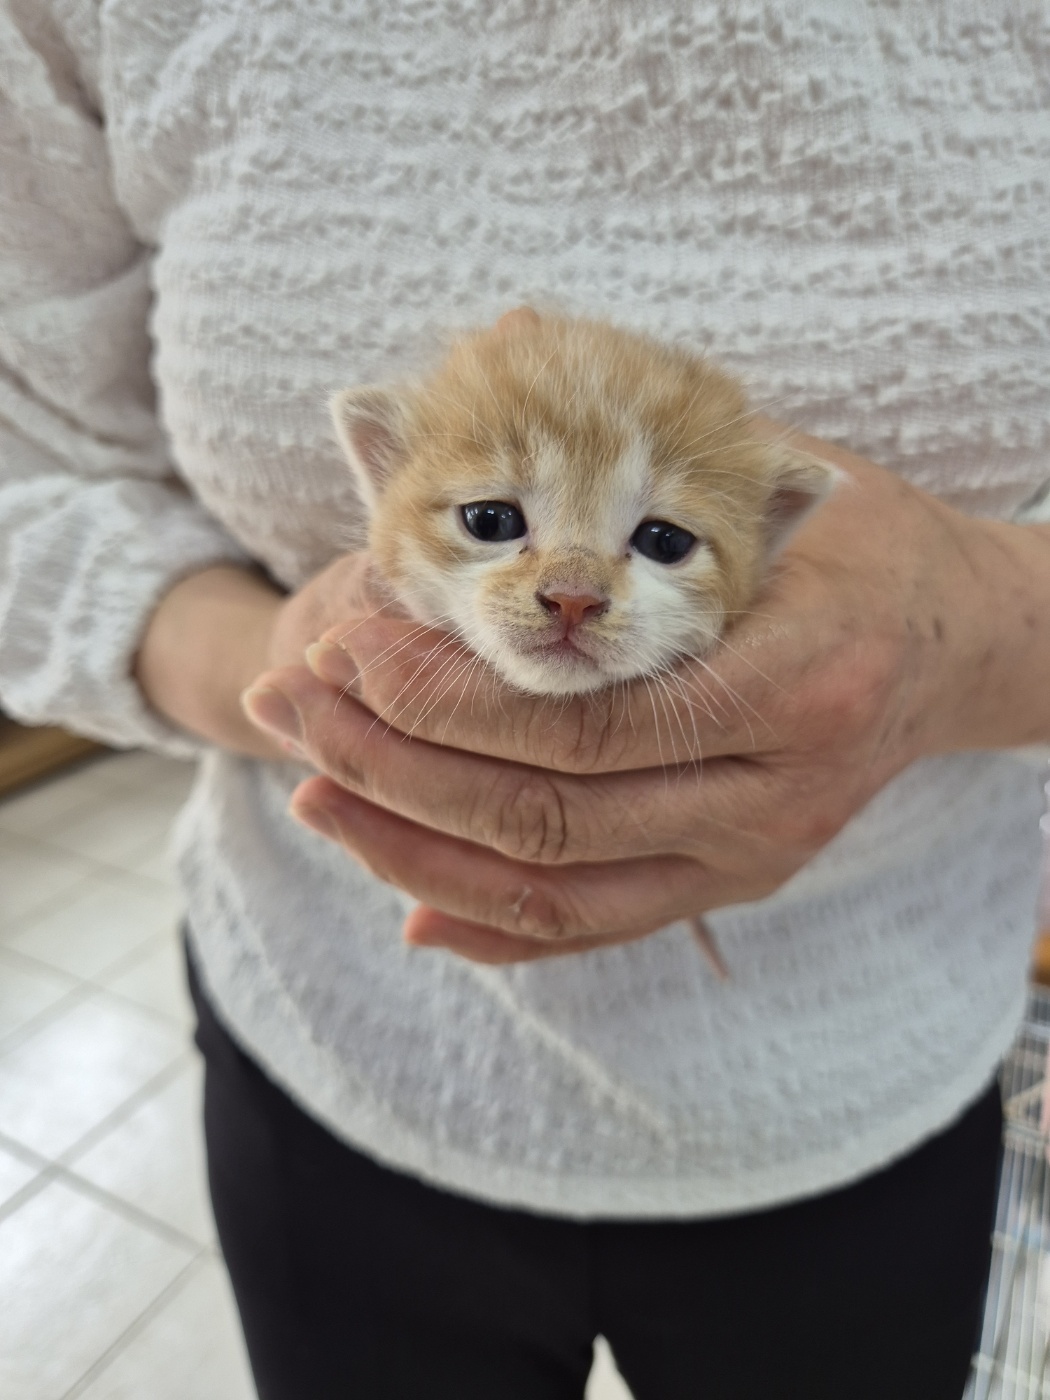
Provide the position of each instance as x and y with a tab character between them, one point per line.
493	521
661	541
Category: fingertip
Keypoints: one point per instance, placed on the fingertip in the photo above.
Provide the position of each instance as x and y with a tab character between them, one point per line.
272	711
414	930
317	819
412	939
315	791
332	664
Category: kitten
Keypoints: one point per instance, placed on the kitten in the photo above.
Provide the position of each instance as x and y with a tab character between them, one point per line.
579	503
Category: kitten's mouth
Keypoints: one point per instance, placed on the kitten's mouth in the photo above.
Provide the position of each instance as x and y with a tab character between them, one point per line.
564	646
552	665
563	649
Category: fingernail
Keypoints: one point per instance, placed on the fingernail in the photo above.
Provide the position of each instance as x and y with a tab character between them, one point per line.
332	664
272	710
317	819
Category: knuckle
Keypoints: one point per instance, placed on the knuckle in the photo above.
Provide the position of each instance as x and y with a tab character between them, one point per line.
344	757
372	858
538	914
817	826
854	690
345	768
808	827
584	737
756	886
531	818
807	819
843	700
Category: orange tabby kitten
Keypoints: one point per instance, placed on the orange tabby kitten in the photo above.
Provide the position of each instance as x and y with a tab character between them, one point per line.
581	504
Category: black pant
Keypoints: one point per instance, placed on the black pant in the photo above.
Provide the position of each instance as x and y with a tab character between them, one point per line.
355	1282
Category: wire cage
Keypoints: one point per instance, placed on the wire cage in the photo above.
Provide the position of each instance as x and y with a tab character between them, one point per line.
1013	1360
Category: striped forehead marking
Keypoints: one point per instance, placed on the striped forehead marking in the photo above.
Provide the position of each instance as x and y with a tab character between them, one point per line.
569	504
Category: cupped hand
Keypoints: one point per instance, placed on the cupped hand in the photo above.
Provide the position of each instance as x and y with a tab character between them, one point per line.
347	587
288	626
527	827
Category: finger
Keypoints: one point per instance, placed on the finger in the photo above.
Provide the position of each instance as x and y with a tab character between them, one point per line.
425	683
481	887
428	928
528	814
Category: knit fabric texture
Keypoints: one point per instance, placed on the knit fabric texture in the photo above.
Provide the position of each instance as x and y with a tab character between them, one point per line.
213	215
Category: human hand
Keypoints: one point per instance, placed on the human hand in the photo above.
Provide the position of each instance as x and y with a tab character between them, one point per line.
347	587
528	827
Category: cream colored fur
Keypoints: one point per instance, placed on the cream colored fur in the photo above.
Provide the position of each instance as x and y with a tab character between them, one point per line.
589	431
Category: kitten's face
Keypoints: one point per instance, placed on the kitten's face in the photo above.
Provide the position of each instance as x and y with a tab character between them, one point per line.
580	505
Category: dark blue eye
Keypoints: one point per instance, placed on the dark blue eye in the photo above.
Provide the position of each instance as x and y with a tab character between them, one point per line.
493	521
662	542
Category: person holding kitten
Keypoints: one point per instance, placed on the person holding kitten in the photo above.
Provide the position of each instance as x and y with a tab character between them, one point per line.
471	1097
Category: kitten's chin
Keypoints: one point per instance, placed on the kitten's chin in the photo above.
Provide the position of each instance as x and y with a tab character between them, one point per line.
551	675
568	670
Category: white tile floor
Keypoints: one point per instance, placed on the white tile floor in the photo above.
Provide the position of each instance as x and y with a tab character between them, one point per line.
111	1285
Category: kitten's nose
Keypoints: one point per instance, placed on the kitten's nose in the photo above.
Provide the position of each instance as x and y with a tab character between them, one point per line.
572	608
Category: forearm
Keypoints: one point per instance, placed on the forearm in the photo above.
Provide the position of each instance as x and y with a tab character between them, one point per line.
206	642
1003	686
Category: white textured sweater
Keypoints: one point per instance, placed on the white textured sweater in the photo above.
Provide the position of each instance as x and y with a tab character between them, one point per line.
848	203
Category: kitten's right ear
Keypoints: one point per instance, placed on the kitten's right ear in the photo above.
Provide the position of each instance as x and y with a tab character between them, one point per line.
371	426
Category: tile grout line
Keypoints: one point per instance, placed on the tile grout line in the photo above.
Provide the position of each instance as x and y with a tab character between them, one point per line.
139	1325
64	898
126	1108
63	1168
31	963
127	960
52	903
110	782
76	809
140	954
53	1172
68	1001
119	965
171	1022
14	1148
85	989
108	866
64	1162
73	806
115	871
132	1213
167	789
55	906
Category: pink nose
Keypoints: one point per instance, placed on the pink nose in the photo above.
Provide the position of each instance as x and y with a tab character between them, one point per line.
572	608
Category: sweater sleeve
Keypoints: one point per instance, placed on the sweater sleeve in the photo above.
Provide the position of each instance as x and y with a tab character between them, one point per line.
94	524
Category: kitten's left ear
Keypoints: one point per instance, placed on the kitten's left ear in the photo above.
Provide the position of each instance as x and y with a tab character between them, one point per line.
372	427
801	483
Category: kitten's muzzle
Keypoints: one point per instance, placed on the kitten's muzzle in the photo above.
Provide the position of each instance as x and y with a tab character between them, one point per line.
571	608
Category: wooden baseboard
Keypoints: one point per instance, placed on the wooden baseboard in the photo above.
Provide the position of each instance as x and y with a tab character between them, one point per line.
26	754
1041	959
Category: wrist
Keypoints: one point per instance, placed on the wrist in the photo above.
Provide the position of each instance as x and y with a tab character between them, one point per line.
207	640
998	684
